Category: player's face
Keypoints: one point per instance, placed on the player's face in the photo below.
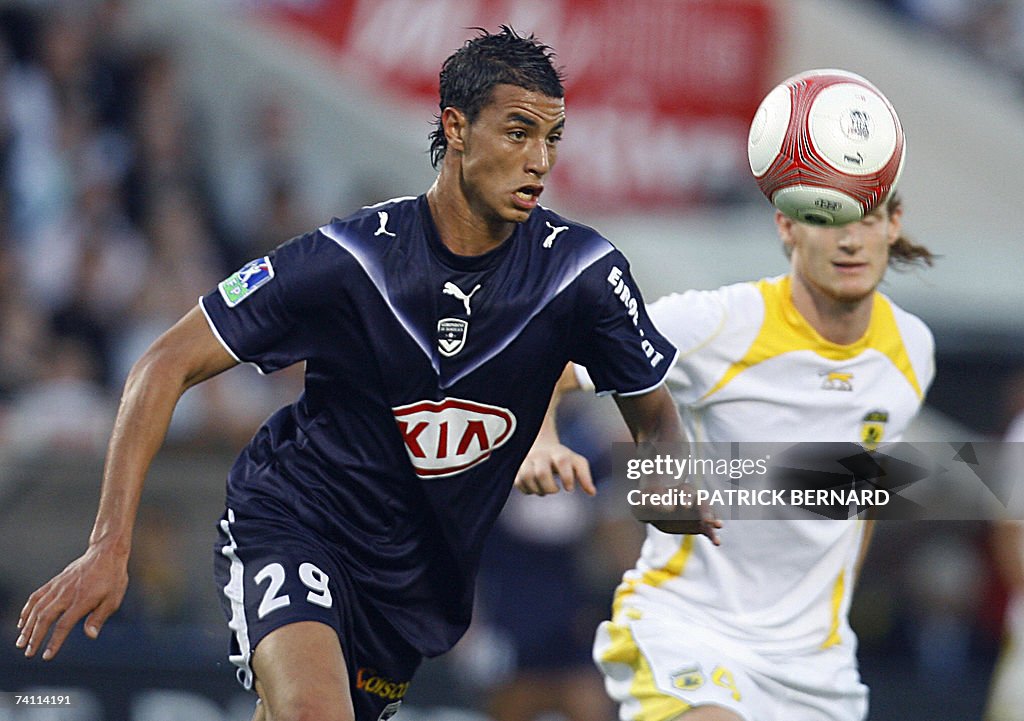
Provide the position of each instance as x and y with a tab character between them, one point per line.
508	151
844	263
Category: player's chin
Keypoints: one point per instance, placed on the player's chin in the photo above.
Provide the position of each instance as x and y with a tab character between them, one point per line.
516	214
851	289
855	294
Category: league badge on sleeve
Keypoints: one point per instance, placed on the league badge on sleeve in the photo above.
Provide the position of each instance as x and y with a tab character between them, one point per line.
250	277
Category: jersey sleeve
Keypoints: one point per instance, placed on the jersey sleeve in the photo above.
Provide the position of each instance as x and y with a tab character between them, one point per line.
263	313
691	321
622	350
919	345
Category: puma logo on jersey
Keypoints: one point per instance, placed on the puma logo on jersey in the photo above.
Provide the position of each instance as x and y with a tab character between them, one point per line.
446	437
383	230
836	380
454	290
555	230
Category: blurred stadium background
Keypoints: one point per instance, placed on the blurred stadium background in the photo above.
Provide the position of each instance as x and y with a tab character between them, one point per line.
148	148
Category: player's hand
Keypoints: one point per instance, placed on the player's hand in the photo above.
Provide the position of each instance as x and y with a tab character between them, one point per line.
546	463
697	518
704	527
92	586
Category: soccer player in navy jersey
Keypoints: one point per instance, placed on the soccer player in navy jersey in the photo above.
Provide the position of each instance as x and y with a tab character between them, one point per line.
433	329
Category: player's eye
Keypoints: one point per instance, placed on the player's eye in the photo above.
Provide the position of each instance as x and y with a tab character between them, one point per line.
517	134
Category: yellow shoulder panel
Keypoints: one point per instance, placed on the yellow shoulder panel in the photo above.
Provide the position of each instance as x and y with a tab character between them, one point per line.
784	330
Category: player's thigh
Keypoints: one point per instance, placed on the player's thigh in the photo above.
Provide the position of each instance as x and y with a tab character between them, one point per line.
276	575
301	674
273	574
659	672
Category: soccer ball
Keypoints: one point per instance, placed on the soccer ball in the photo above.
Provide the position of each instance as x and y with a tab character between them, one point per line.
826	147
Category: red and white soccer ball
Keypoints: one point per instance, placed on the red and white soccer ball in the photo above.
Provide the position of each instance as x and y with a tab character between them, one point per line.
826	147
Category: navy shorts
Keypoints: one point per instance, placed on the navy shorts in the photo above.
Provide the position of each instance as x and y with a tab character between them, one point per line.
271	572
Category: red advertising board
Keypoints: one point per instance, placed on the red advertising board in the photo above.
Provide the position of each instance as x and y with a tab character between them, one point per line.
659	93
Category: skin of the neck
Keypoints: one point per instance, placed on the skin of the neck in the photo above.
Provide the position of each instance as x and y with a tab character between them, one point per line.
461	230
835	320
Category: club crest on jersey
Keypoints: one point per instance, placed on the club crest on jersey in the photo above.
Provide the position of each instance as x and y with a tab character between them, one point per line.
446	437
451	335
836	380
872	428
249	278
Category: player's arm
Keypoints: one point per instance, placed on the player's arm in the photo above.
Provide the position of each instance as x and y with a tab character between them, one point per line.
94	584
653	418
862	554
1007	540
549	460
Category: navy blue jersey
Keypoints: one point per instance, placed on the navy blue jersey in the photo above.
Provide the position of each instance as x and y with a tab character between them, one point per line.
427	377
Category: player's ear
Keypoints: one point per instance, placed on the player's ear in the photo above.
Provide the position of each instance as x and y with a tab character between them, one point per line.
455	124
784	225
895	225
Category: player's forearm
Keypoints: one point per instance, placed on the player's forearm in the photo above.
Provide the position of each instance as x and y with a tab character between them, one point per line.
666	429
567	382
653	418
865	543
147	404
1007	538
548	432
185	355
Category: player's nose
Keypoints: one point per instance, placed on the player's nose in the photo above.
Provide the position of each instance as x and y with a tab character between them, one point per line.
850	237
538	159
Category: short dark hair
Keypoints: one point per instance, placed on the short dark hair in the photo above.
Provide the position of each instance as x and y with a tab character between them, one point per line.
469	75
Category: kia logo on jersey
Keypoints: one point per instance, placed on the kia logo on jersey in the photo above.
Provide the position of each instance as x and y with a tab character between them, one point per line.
446	437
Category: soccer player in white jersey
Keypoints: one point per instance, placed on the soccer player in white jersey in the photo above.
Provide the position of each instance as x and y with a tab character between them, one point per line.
757	629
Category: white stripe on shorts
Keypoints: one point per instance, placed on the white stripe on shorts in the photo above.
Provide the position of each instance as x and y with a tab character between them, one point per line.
235	593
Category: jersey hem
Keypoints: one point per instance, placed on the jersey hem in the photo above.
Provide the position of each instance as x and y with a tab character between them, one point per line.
648	389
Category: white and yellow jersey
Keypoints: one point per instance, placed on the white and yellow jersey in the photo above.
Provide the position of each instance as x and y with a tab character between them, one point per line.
750	368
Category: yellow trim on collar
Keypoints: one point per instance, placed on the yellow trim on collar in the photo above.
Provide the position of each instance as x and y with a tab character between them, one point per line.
784	330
